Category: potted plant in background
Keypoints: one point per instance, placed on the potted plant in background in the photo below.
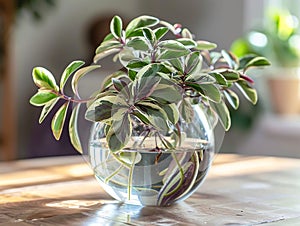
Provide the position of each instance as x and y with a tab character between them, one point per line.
152	139
278	40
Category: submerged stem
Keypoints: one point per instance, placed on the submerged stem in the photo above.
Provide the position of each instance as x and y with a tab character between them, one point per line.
130	177
181	175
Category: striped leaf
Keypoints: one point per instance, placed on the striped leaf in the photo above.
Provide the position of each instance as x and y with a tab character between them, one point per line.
47	108
58	120
119	133
249	92
42	97
141	22
72	67
79	74
116	26
44	78
223	114
73	129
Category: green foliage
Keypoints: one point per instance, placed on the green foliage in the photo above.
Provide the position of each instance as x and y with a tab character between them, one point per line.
278	40
159	83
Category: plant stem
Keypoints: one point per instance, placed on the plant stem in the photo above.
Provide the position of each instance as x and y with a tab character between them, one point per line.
107	179
181	175
130	177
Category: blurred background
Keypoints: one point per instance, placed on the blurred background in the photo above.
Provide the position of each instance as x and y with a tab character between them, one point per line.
52	33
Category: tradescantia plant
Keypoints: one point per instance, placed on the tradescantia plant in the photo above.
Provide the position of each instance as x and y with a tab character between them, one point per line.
159	81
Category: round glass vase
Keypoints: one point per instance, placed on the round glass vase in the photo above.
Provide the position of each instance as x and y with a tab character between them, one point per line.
141	174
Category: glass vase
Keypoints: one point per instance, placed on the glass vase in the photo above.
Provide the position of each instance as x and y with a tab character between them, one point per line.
144	174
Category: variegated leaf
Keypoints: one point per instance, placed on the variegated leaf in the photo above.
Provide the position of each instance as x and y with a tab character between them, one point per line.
223	114
160	32
205	45
249	92
79	74
155	114
166	93
47	108
140	22
58	120
73	129
171	111
107	45
186	110
119	133
116	26
44	78
72	67
138	43
42	97
232	98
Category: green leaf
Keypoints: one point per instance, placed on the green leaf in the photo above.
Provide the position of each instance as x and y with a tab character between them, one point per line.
138	43
150	70
193	61
104	54
257	62
126	55
205	45
231	59
108	80
212	92
221	80
166	93
232	98
149	35
172	112
230	75
100	109
171	49
58	120
132	74
155	114
119	133
249	92
107	45
47	108
79	74
160	32
42	97
223	114
177	64
73	129
136	64
170	54
108	37
140	22
116	27
201	79
173	45
141	116
186	110
188	43
118	84
68	71
44	78
144	86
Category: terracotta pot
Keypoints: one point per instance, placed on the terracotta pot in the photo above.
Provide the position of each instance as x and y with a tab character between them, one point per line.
285	91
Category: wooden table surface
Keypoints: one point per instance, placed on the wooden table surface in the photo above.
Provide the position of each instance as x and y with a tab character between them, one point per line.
240	190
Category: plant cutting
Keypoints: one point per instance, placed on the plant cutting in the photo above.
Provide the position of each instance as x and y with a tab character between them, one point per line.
152	139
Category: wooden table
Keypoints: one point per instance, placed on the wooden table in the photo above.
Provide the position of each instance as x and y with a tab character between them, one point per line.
239	190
